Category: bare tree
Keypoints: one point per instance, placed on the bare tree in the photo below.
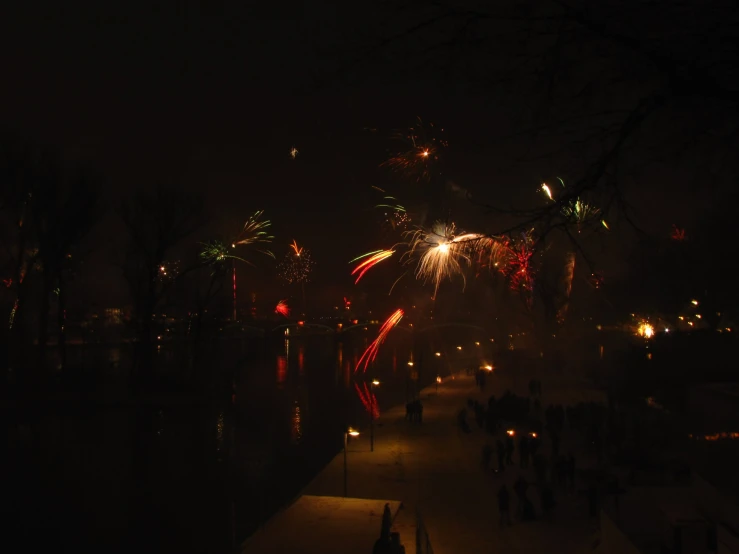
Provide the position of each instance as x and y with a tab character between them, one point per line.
157	220
594	91
46	211
64	211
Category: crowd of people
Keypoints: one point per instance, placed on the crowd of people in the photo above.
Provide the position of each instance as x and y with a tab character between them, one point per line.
517	429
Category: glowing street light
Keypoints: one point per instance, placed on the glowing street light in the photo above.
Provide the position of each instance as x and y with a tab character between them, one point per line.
437	354
353	433
459	348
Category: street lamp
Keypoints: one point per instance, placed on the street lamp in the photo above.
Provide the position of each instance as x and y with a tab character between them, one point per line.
347	433
438	380
373	384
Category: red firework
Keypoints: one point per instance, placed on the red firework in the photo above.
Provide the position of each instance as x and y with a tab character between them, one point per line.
677	233
282	308
518	267
371	353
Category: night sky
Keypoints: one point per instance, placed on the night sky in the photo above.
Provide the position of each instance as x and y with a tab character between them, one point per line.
214	97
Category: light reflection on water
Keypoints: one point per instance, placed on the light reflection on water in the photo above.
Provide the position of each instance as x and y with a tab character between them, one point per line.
256	424
297	427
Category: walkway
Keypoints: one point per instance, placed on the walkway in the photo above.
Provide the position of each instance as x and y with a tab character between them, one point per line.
436	468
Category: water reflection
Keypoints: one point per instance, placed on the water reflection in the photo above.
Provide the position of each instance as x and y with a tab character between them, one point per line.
368	399
281	369
220	424
296	430
253	442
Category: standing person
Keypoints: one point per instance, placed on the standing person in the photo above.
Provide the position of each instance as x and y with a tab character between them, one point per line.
523	451
500	449
487	454
509	448
504	505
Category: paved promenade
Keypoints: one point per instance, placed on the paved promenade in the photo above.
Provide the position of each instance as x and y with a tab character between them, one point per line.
436	468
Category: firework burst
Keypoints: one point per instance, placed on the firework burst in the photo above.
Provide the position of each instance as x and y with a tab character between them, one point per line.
255	233
440	252
518	266
282	308
677	234
168	271
371	259
371	353
396	216
296	266
574	210
216	252
419	159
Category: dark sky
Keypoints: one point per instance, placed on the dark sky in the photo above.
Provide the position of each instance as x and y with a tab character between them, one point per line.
213	97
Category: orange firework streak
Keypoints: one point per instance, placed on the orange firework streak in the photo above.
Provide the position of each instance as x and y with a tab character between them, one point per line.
370	262
297	249
371	353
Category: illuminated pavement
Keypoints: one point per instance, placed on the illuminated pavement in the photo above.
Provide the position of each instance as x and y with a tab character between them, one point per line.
436	468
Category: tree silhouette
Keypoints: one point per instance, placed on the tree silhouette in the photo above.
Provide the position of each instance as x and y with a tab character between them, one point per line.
157	219
595	91
46	210
64	211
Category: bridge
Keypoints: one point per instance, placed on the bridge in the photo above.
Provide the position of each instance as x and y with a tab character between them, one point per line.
336	327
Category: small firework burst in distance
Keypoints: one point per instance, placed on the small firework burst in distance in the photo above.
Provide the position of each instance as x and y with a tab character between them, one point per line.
396	216
518	267
169	270
294	152
575	210
296	266
423	146
216	252
677	234
282	308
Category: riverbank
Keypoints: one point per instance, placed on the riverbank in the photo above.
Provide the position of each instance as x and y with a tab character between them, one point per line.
435	468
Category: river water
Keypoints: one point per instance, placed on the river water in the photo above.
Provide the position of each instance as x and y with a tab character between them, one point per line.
205	470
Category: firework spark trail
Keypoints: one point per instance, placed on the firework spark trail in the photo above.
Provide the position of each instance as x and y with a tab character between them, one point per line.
373	258
297	249
371	353
282	308
368	400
